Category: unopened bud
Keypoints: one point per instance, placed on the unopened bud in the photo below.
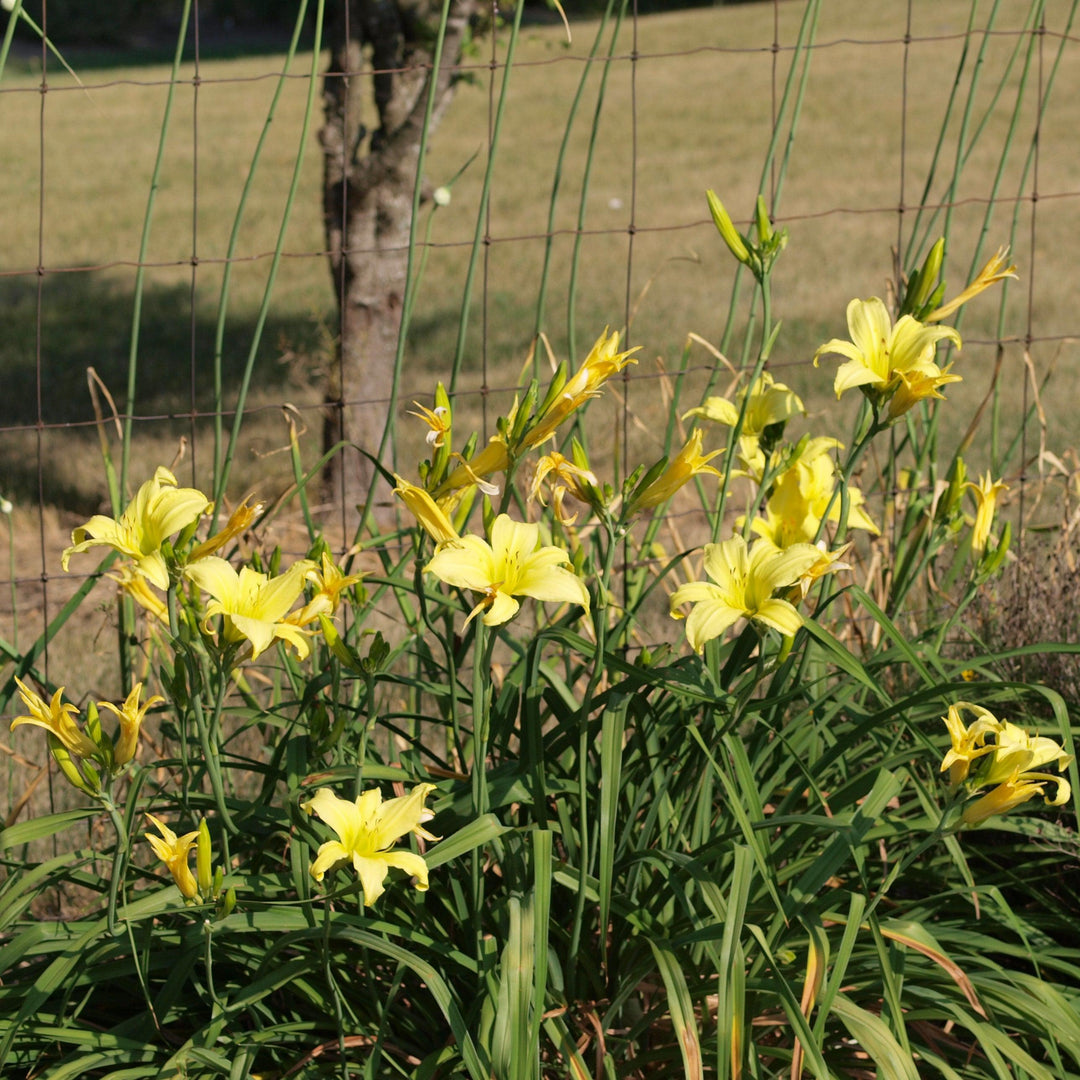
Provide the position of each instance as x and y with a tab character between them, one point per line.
764	225
726	227
204	856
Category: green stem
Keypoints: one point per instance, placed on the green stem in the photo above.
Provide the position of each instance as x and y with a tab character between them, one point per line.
210	748
120	859
222	477
840	491
600	624
483	645
736	431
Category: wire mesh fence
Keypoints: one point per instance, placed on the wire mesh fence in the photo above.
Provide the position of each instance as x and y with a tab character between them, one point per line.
164	226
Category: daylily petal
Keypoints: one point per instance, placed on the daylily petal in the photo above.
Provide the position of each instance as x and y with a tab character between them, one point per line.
467	563
342	815
709	620
327	857
372	874
854	373
502	608
412	864
780	615
402	815
693	592
868	323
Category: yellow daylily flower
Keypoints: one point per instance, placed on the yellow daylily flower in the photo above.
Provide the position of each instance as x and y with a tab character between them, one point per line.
330	583
968	743
743	582
158	510
254	605
131	715
1006	759
564	478
1017	767
367	828
1015	749
174	851
432	518
57	717
995	270
986	493
770	403
239	522
603	361
513	564
686	464
879	353
803	492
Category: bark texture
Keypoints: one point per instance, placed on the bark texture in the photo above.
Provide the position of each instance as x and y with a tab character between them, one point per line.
385	47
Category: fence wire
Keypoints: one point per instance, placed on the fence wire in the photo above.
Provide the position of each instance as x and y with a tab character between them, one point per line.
47	439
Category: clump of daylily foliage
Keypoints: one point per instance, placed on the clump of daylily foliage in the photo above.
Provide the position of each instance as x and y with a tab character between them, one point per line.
646	832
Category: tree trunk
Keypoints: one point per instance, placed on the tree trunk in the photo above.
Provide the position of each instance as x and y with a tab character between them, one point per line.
368	183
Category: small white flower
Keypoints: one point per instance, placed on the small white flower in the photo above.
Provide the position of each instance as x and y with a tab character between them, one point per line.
7	5
5	504
441	195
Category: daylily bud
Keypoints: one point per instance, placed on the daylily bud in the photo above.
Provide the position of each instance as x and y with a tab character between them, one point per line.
726	227
922	286
62	757
203	858
764	225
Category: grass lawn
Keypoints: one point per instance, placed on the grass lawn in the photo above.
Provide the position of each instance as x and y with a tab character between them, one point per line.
694	111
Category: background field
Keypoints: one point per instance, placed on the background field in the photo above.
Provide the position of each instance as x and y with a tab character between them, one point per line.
693	110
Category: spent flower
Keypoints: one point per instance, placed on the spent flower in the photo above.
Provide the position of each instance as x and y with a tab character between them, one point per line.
431	516
130	715
438	421
604	360
993	271
331	583
57	717
174	851
563	477
240	520
679	471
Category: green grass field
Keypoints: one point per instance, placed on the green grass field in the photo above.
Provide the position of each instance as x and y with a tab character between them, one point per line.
693	112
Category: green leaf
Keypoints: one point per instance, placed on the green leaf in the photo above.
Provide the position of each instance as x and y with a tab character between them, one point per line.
874	1036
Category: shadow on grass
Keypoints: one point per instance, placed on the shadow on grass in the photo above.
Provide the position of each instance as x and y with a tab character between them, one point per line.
85	321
